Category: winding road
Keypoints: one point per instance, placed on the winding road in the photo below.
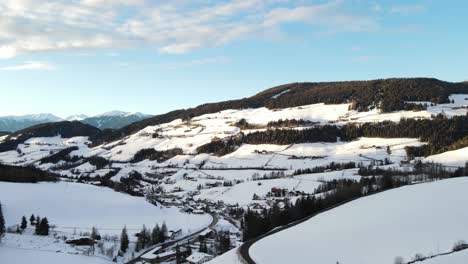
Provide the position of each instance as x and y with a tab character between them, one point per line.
171	243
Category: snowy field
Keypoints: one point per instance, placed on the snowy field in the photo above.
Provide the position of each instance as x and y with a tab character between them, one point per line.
243	193
230	257
22	256
34	149
70	205
314	154
203	129
451	158
189	135
426	218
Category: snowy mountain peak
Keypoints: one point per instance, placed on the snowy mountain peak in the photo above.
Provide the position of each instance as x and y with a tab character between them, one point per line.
77	117
113	113
38	117
116	113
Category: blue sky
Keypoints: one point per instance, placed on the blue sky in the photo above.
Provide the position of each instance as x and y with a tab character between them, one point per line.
92	56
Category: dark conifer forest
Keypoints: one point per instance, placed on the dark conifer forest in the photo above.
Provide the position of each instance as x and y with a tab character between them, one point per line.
441	134
25	174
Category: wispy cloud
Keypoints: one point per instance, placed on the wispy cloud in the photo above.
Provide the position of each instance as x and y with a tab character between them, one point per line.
199	62
29	65
168	26
407	9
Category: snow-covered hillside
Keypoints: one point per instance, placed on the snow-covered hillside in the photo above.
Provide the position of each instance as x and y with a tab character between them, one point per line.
82	206
25	256
424	218
457	157
35	149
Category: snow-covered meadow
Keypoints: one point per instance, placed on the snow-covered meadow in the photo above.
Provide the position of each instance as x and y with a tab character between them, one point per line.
457	158
26	256
200	130
243	193
424	218
71	206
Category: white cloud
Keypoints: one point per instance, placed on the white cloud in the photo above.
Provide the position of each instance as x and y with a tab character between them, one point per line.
29	65
169	26
7	52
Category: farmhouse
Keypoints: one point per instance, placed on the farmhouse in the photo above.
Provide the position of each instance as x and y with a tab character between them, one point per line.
199	257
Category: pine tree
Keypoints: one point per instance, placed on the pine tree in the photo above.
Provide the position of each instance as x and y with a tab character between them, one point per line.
124	240
179	257
143	239
224	242
164	231
24	223
37	229
2	223
203	247
45	226
189	249
95	234
156	235
38	220
42	228
32	220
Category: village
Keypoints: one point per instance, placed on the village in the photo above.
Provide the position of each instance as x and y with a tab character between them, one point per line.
223	234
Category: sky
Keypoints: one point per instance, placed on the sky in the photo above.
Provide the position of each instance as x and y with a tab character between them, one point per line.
92	56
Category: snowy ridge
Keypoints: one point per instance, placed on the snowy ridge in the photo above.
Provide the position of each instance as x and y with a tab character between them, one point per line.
456	158
327	233
77	117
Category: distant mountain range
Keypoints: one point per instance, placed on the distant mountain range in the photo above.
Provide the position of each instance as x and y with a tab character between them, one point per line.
113	119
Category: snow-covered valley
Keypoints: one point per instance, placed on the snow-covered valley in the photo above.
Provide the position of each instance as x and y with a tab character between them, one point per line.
77	207
73	209
192	188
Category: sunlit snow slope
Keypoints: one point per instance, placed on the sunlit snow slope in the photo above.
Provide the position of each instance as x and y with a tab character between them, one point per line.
425	218
82	206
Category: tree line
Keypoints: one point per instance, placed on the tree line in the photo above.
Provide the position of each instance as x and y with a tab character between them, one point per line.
337	191
25	174
363	95
257	223
148	237
440	132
